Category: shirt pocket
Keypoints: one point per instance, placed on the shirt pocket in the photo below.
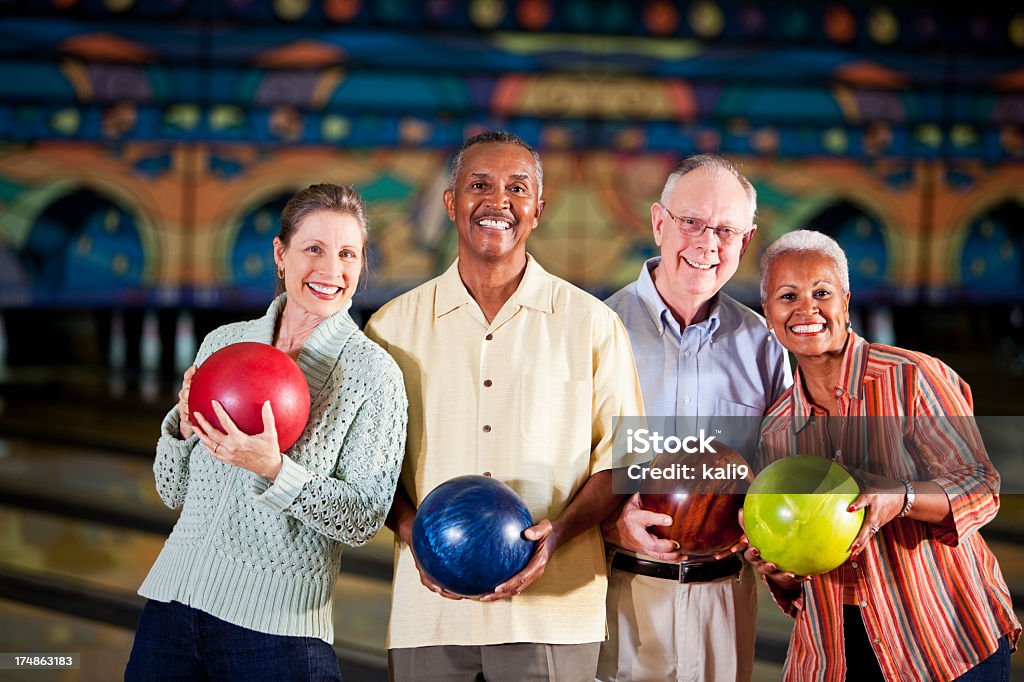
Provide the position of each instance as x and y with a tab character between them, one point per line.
555	413
729	408
740	426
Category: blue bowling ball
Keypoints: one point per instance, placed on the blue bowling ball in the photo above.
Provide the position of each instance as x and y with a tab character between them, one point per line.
468	535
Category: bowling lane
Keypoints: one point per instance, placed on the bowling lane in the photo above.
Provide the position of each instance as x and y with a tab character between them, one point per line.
93	554
56	414
118	489
115	560
103	648
773	626
1010	518
361	609
765	671
66	475
1011	561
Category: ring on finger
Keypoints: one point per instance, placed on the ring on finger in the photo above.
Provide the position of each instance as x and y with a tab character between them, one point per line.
215	448
873	527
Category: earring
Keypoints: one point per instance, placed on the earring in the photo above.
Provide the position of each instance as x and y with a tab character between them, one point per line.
280	273
771	330
849	325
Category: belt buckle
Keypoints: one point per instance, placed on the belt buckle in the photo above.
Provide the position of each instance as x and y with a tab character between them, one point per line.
705	572
685	571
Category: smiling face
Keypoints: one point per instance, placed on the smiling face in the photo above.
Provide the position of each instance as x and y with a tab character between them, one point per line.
321	262
496	202
805	304
695	268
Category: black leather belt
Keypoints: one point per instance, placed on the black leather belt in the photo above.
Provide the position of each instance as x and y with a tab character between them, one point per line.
684	573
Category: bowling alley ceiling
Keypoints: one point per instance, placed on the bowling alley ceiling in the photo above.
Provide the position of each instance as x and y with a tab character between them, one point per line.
780	78
147	147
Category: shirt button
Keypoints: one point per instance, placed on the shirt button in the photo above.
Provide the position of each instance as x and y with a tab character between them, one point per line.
487	428
487	383
839	392
878	640
864	604
489	337
686	354
686	400
854	564
839	453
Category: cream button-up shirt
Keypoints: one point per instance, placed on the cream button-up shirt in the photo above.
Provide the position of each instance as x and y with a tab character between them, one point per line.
531	399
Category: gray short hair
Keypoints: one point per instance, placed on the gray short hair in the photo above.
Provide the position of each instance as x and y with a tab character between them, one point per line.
713	162
500	137
805	241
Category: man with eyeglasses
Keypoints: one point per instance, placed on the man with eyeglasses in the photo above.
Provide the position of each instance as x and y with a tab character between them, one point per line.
700	354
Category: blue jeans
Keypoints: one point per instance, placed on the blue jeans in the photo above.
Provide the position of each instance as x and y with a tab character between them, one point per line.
862	665
177	642
995	668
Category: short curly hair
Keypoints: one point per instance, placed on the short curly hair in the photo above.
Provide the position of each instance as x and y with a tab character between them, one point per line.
500	137
805	241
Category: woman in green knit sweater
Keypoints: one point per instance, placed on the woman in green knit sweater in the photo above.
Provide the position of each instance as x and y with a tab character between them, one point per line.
244	586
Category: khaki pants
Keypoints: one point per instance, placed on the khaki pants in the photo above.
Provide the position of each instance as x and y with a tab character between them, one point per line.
519	662
663	631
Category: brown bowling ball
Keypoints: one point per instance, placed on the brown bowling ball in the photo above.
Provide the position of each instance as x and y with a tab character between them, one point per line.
705	507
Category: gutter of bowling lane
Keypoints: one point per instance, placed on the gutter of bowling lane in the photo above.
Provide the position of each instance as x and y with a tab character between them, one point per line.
352	562
122	609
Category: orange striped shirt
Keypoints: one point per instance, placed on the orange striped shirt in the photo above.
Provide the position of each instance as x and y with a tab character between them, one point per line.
933	599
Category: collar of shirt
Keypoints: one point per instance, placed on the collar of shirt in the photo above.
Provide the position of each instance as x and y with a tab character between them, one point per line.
534	291
849	382
660	313
323	345
325	332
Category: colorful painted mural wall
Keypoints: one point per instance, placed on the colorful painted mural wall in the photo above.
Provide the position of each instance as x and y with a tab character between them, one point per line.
147	147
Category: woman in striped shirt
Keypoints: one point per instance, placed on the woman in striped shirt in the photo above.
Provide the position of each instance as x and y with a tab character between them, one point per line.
923	597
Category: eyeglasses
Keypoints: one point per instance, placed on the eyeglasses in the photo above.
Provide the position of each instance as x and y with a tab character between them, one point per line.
694	227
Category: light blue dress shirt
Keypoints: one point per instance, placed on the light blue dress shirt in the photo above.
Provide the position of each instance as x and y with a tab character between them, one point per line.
709	373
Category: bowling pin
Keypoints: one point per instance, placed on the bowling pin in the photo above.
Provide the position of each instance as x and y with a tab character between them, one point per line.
184	342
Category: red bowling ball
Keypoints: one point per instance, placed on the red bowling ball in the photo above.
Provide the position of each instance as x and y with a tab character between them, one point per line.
704	508
241	377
